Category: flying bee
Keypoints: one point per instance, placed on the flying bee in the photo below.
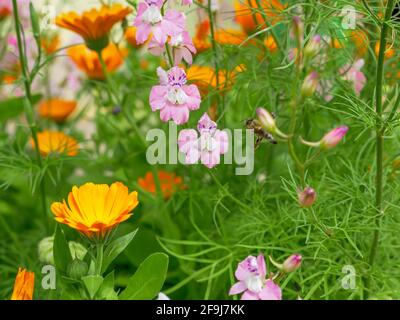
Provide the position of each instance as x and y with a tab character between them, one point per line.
260	133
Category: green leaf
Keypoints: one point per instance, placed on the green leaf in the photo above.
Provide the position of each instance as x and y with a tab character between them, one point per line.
11	108
115	248
61	253
148	280
136	252
107	291
92	284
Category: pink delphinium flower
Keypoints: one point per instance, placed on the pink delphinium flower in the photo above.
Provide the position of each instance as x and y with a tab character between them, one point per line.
333	137
251	274
207	147
173	97
182	48
353	74
149	20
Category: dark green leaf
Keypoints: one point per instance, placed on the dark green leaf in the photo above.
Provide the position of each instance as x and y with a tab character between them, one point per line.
115	248
61	253
148	280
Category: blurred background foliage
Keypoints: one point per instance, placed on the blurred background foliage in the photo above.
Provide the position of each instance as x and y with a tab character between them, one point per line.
219	218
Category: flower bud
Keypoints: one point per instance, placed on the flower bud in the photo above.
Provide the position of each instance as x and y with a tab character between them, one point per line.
333	137
266	120
292	263
312	47
307	197
298	30
77	269
45	250
310	84
77	250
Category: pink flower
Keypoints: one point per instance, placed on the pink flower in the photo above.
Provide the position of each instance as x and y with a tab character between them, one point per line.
313	46
353	74
208	147
173	97
187	2
292	263
251	274
310	84
307	197
150	20
333	137
182	48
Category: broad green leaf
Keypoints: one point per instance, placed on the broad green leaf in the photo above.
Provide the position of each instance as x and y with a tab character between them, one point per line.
136	252
11	108
92	284
61	253
115	248
148	280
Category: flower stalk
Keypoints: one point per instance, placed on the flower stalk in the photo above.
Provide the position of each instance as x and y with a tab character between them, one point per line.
28	104
380	130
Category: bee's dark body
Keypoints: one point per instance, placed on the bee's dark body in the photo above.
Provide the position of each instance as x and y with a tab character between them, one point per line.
260	133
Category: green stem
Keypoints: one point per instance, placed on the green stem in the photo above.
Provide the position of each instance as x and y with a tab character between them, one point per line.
380	129
169	55
214	46
99	258
29	111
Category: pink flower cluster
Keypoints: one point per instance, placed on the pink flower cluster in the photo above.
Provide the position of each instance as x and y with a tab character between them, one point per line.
165	33
165	28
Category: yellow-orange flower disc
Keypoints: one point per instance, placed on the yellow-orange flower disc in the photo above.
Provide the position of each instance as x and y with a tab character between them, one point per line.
23	285
94	209
56	109
56	142
88	61
94	24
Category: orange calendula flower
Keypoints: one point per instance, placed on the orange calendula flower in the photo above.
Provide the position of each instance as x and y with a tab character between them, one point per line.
205	78
200	40
361	41
389	52
94	209
56	142
50	44
169	183
130	36
270	44
88	61
229	36
247	13
23	285
56	109
94	25
222	36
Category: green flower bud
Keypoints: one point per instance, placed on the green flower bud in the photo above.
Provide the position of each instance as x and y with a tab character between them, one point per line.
78	251
45	250
77	269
